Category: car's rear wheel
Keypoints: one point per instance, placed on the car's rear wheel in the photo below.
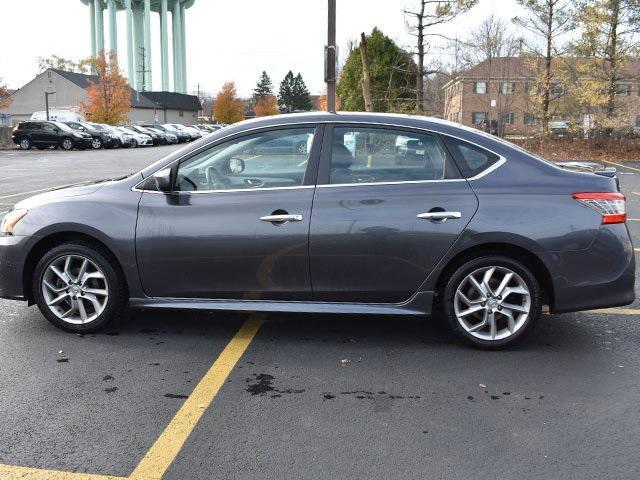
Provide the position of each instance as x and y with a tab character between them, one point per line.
96	143
66	144
492	301
77	288
25	144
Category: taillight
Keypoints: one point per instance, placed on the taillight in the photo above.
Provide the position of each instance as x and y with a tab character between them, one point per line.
611	205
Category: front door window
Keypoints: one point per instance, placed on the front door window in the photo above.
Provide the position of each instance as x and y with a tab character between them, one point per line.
268	159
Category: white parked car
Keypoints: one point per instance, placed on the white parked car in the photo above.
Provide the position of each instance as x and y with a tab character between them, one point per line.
141	139
194	133
125	139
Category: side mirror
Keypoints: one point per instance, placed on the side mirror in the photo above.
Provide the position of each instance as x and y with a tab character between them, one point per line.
162	179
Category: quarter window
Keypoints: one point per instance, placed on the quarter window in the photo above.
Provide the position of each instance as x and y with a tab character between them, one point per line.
275	158
373	155
471	159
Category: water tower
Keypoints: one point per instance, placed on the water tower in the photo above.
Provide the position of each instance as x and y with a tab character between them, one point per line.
138	31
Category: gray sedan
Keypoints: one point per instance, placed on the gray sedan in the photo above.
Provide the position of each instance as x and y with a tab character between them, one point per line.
456	223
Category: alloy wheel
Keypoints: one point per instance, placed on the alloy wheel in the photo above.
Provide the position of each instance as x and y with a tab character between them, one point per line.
75	289
67	144
25	144
492	303
96	143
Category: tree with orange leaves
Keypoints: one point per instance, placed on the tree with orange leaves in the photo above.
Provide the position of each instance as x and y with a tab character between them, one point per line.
5	97
110	96
227	107
265	106
322	102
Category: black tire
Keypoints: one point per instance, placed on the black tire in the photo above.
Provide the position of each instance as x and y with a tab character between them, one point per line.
117	299
486	260
66	144
96	143
25	144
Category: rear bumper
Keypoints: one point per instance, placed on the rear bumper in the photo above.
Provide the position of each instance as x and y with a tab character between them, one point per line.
600	276
13	251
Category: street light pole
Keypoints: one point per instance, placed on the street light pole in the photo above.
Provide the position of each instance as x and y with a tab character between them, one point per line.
331	57
46	102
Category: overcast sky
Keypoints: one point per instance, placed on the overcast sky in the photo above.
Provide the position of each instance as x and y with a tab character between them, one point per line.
226	39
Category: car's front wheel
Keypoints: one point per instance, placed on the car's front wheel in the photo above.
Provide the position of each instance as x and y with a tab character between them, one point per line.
66	144
492	301
96	143
77	288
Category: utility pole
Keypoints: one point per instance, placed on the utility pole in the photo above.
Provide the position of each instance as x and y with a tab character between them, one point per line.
46	102
330	68
143	69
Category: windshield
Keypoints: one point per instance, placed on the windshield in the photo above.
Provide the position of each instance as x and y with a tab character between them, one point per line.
63	126
95	126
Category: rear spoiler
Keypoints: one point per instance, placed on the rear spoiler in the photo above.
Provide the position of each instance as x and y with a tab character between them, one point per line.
592	167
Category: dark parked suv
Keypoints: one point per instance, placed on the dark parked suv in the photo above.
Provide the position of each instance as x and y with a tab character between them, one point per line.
99	138
472	229
49	134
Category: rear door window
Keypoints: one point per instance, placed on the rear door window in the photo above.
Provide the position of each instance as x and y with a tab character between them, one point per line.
471	159
380	155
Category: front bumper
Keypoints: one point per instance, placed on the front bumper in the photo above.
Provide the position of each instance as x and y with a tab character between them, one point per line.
83	142
13	253
600	276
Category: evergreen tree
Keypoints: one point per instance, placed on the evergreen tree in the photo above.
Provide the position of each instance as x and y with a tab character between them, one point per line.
285	95
264	87
301	97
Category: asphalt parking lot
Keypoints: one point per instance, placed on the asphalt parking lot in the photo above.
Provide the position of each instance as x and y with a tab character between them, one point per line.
177	395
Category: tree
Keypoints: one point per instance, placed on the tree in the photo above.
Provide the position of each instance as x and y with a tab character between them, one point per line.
547	20
300	94
285	94
488	43
5	96
110	96
59	63
228	108
430	14
608	39
264	87
265	106
393	77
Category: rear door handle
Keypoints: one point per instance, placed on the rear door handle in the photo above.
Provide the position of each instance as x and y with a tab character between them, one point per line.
439	215
281	218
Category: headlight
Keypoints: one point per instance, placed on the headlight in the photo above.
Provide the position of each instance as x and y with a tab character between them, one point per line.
10	220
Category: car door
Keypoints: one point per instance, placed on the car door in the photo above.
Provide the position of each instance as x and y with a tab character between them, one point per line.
49	134
383	214
37	133
236	225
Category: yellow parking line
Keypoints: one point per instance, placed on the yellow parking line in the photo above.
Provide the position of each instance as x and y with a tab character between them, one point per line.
10	472
617	311
166	448
621	165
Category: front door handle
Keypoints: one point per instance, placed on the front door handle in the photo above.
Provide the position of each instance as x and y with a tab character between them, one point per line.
281	218
439	215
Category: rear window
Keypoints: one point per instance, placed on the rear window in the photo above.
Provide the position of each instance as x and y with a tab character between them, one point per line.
29	126
471	159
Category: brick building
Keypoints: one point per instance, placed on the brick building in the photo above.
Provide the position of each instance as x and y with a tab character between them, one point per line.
497	93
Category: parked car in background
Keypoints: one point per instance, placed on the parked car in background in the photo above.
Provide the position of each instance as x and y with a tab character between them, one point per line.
169	138
123	139
141	139
49	134
58	115
559	128
485	239
192	132
100	137
180	135
202	128
157	138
